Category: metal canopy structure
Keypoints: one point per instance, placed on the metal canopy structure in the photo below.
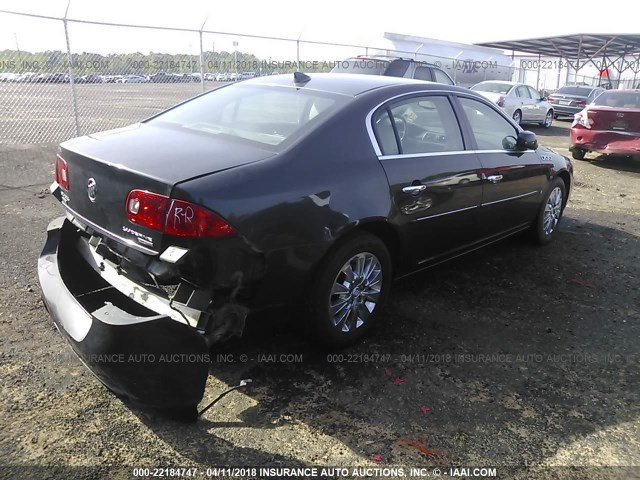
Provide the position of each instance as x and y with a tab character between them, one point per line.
618	51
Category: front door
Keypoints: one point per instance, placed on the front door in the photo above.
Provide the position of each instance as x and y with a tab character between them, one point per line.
513	180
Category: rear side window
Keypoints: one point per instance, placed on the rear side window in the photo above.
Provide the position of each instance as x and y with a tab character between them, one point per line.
253	113
490	129
522	92
386	137
423	73
442	77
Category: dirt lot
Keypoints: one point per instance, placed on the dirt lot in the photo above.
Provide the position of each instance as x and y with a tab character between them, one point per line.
515	355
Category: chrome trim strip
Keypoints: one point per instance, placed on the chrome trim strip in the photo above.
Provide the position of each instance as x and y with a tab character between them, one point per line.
107	233
453	152
444	213
535	192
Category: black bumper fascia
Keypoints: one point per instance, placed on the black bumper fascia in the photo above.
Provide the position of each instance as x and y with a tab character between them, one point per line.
152	360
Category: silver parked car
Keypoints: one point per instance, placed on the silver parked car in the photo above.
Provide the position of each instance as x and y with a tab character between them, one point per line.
571	99
521	102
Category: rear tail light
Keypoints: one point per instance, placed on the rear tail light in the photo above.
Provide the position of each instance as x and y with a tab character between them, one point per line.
581	102
582	119
501	101
174	217
62	172
551	99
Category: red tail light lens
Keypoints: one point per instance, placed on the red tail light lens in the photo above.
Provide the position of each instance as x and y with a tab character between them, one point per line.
62	172
581	102
501	101
550	99
174	217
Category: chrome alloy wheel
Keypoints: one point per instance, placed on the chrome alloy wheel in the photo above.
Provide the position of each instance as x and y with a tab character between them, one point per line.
355	292
552	211
548	120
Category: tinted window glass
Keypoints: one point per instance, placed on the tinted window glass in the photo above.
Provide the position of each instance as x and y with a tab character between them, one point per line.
384	133
522	92
442	77
490	129
584	91
260	114
422	73
427	125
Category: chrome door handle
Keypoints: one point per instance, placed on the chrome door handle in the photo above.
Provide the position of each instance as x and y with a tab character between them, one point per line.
413	189
495	178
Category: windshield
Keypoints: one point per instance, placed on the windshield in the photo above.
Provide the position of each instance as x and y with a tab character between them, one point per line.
492	87
268	115
618	99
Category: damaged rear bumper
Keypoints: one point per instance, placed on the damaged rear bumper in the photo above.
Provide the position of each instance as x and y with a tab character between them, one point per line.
147	357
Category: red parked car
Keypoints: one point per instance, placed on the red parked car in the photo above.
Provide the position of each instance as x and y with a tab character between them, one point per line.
610	124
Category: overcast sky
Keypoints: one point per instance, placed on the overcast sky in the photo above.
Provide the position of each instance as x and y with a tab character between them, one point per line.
354	22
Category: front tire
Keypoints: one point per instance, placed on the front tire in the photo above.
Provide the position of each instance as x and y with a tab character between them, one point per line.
349	291
550	212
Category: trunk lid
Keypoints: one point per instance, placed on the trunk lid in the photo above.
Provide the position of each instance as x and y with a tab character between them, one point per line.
103	168
614	119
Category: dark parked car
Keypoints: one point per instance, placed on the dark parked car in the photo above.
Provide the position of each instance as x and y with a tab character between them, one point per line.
610	125
284	190
569	100
393	67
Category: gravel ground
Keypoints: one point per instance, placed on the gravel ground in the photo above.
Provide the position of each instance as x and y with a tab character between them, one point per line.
512	356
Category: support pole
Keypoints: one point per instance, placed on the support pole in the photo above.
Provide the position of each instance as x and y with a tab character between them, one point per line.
72	83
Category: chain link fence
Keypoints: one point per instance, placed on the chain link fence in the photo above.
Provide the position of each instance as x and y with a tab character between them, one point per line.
66	91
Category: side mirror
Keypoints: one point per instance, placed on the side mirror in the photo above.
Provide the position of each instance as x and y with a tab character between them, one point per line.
543	99
527	141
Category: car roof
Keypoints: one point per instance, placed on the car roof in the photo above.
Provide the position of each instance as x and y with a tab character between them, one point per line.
351	84
503	82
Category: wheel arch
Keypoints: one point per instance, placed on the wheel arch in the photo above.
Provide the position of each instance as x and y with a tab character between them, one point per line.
565	176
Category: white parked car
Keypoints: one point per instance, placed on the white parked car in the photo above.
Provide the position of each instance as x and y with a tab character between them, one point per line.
521	102
131	79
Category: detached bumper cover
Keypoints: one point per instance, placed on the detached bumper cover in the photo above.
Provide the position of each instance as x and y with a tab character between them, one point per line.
151	359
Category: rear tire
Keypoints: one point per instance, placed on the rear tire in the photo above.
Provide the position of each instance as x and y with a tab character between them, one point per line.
578	153
517	117
550	212
349	291
548	120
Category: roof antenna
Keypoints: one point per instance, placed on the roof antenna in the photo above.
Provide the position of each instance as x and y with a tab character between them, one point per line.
300	78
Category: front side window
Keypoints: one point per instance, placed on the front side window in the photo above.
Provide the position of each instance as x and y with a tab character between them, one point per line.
491	130
264	115
426	125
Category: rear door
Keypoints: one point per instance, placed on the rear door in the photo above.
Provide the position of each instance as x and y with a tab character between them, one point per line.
512	180
435	183
526	103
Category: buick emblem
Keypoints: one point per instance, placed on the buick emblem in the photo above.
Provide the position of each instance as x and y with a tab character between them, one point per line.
92	189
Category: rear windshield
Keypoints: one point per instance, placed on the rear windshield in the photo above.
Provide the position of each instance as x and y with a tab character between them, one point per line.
492	87
584	91
366	66
266	115
618	99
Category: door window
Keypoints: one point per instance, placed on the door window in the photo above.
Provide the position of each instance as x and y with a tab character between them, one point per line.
522	92
427	125
534	94
386	137
491	130
442	77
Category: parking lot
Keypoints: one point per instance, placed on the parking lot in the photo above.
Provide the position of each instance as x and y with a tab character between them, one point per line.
510	356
